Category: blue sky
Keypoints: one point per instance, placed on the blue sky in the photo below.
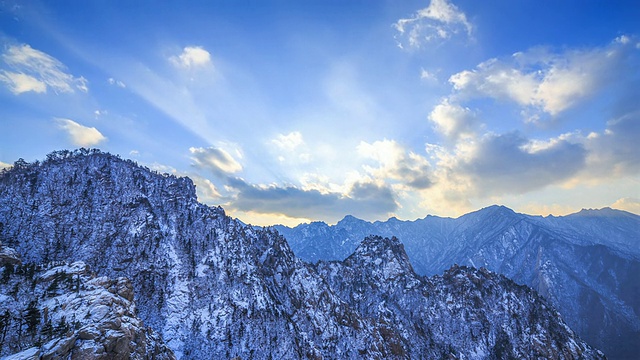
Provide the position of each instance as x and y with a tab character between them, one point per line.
293	111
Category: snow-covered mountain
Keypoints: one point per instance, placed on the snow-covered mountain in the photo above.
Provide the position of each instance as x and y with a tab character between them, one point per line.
63	311
587	264
466	313
212	287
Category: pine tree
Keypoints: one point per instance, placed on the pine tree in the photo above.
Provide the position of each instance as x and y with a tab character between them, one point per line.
32	317
5	323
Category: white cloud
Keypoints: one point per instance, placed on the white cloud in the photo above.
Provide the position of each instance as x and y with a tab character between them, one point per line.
486	167
163	169
291	147
507	163
395	163
428	76
117	83
289	141
219	161
80	135
319	182
614	152
192	56
628	204
19	83
623	39
81	84
33	70
205	190
439	21
540	79
454	121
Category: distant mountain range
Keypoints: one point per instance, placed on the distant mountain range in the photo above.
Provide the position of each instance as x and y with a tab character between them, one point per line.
186	281
587	264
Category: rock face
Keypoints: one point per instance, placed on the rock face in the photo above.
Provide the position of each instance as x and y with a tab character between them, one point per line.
62	311
464	313
586	264
8	256
216	288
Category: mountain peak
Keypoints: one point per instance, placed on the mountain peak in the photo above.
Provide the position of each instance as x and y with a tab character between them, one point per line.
379	243
603	212
349	219
499	209
98	176
381	251
491	212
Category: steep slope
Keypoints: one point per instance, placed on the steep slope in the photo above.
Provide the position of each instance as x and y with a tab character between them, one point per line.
210	285
62	310
586	264
464	313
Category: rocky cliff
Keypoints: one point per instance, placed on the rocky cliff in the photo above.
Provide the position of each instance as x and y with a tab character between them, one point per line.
63	311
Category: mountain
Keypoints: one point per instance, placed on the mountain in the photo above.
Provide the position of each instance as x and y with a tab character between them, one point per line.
213	287
485	314
63	310
586	264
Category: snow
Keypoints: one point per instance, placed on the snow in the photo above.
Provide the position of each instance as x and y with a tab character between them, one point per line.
260	290
29	354
176	310
202	269
75	268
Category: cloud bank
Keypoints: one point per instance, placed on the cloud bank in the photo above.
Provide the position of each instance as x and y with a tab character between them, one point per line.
508	164
542	79
366	200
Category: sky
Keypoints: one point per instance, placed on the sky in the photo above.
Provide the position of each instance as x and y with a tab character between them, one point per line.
285	112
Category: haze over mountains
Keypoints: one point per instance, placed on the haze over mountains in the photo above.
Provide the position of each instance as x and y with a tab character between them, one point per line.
210	286
586	264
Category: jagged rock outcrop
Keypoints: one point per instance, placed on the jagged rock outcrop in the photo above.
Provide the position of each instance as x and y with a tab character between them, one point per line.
62	311
465	313
8	256
585	264
216	288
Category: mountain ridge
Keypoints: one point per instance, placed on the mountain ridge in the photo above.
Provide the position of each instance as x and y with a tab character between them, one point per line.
603	211
585	263
212	286
428	307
